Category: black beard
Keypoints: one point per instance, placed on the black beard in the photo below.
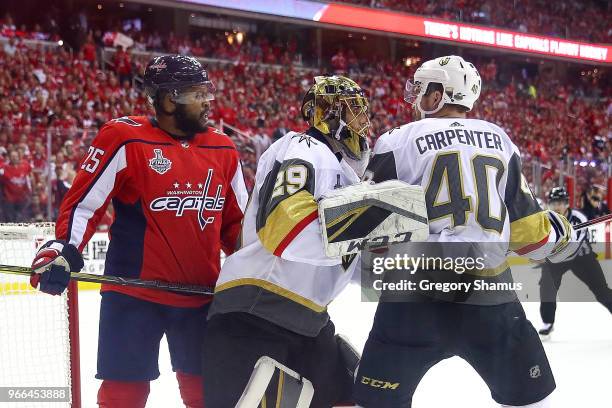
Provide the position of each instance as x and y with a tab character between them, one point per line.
186	123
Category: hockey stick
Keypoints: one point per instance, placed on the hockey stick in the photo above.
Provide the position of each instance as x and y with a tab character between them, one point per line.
594	221
116	280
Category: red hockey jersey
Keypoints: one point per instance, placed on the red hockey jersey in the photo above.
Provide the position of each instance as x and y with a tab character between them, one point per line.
177	204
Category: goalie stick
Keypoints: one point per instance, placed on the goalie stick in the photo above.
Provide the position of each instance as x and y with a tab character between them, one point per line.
116	280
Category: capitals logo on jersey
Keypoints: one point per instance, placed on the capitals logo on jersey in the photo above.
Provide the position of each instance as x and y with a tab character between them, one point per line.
205	204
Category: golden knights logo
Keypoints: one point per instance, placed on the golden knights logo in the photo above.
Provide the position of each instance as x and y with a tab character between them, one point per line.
444	61
159	163
303	137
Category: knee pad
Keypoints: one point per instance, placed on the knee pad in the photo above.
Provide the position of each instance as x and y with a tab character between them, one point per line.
190	386
123	394
277	385
545	403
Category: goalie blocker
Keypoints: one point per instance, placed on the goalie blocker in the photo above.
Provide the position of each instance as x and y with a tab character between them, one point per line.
367	214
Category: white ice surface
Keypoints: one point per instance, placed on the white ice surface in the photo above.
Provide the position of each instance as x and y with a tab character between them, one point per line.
580	353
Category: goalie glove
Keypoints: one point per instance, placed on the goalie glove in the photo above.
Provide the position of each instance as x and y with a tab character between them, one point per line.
367	215
567	242
52	266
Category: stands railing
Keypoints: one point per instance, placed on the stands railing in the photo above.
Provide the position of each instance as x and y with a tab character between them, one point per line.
107	53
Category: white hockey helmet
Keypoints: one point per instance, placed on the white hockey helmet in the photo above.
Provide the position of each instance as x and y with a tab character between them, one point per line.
460	79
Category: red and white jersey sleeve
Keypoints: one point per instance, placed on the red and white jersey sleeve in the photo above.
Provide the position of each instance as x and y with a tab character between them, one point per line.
233	212
102	173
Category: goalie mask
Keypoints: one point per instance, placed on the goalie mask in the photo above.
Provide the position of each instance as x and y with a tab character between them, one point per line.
337	107
459	78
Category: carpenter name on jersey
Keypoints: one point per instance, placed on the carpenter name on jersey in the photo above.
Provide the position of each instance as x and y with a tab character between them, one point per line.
459	135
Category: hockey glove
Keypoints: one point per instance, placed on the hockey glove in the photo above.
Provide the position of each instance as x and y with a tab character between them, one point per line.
567	241
52	266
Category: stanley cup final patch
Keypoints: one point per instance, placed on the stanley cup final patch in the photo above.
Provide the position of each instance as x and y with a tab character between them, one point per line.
159	163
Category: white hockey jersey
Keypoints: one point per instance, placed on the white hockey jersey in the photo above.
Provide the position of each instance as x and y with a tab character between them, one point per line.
281	273
474	188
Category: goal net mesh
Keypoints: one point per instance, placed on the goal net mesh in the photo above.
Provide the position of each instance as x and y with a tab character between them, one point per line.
35	329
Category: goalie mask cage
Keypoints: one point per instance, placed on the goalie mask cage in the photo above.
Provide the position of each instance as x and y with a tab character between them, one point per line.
39	336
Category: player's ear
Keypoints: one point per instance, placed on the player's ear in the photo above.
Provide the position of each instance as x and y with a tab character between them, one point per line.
166	104
437	98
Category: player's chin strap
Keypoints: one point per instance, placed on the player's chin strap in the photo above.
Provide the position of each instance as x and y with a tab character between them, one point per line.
341	127
357	165
545	403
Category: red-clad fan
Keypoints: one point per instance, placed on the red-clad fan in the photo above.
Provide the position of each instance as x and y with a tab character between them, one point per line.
178	194
16	178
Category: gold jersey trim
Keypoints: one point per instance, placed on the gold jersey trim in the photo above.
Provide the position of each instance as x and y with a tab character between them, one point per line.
271	287
529	230
287	215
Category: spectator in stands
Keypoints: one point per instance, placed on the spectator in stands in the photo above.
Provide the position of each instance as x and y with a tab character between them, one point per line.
89	50
3	163
38	161
7	26
280	131
10	48
352	62
339	62
37	211
4	142
225	111
489	73
17	187
59	188
261	141
123	64
593	205
69	153
154	42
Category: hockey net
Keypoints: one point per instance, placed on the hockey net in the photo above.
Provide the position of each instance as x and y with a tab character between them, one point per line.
38	332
